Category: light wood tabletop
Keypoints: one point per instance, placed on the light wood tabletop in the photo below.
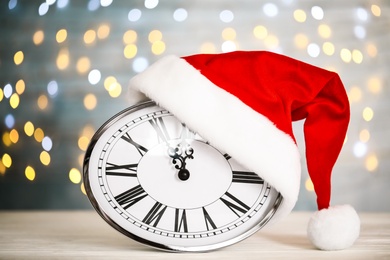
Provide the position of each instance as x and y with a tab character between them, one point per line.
83	234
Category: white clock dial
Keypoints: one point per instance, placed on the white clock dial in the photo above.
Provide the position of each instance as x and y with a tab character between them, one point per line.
156	181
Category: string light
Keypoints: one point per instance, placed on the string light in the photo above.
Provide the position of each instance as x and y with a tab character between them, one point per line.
134	15
300	16
301	41
29	173
270	9
38	37
103	31
18	57
61	35
260	32
20	87
45	158
75	176
317	12
180	15
376	10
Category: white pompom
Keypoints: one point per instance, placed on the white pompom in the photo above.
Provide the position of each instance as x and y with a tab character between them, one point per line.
334	228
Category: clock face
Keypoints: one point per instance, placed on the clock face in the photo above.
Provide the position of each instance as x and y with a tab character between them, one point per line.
156	181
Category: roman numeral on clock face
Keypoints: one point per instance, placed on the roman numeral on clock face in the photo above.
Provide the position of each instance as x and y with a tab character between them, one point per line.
160	128
130	197
181	220
208	221
155	214
247	177
142	150
128	170
235	204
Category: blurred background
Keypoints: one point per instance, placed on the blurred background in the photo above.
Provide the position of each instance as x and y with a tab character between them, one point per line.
65	65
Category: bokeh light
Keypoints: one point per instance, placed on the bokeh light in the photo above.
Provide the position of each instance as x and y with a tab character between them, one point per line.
38	37
300	16
90	101
75	176
61	35
45	158
30	173
18	57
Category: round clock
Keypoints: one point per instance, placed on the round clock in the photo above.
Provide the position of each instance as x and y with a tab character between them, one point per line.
159	183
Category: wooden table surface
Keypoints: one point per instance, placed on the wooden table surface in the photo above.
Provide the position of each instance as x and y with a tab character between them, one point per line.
84	235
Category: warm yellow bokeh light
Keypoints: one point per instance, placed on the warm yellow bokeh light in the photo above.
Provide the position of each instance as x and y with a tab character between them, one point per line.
83	65
90	101
42	102
355	94
29	173
208	47
375	85
61	35
6	139
29	128
328	48
75	176
20	87
364	135
357	56
271	42
82	188
376	10
229	34
89	37
14	136
18	57
6	160
324	31
260	32
39	135
83	143
88	131
103	31
45	158
108	82
130	51
299	15
371	162
129	37
115	90
1	95
372	50
2	168
38	37
154	36
309	185
14	100
62	59
346	55
158	47
368	114
301	41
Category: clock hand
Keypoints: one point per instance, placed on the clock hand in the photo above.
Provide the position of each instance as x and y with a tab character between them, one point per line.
177	157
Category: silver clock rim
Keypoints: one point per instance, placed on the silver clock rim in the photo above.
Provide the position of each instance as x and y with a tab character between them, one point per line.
169	248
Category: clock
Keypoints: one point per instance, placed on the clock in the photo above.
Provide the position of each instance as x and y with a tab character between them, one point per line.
155	180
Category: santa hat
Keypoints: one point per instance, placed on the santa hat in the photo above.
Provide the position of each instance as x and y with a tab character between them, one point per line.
245	103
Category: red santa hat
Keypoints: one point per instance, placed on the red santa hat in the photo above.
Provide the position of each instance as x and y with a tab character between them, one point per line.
245	103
